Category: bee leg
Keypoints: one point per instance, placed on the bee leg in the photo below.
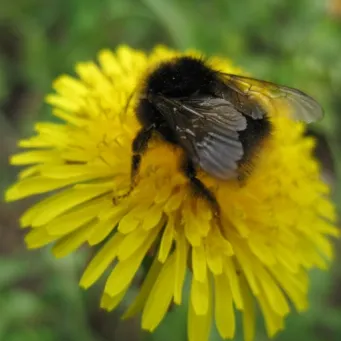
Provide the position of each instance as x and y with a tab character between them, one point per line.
200	187
139	145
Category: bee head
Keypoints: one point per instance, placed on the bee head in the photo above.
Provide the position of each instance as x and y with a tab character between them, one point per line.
181	77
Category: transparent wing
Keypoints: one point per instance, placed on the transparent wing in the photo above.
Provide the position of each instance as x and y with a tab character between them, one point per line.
283	100
207	128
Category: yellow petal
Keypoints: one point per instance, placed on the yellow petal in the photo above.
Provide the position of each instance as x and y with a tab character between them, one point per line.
273	322
199	263
38	237
224	312
101	230
216	247
272	292
191	226
287	258
327	228
65	84
109	63
63	103
200	296
160	296
131	220
108	220
35	142
90	73
50	208
74	171
71	242
140	300
174	202
124	271
181	252
263	251
231	273
246	261
104	257
295	285
29	171
248	311
56	133
214	260
326	209
323	245
69	222
166	240
152	217
37	156
133	241
76	121
110	303
204	214
37	185
163	194
199	326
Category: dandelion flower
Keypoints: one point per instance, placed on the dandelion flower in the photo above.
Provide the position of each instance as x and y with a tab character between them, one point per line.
274	228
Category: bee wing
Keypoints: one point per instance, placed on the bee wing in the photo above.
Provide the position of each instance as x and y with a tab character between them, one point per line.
298	105
207	128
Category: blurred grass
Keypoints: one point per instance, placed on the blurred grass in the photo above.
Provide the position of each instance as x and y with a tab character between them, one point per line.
297	43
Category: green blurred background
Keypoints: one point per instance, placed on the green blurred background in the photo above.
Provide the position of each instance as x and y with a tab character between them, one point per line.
292	42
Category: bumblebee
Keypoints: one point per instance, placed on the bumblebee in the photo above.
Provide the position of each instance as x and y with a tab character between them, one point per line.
217	119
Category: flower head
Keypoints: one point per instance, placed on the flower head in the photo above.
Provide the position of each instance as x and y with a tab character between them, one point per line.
273	228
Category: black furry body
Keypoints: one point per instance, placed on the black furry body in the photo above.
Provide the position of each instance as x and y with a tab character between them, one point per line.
185	77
